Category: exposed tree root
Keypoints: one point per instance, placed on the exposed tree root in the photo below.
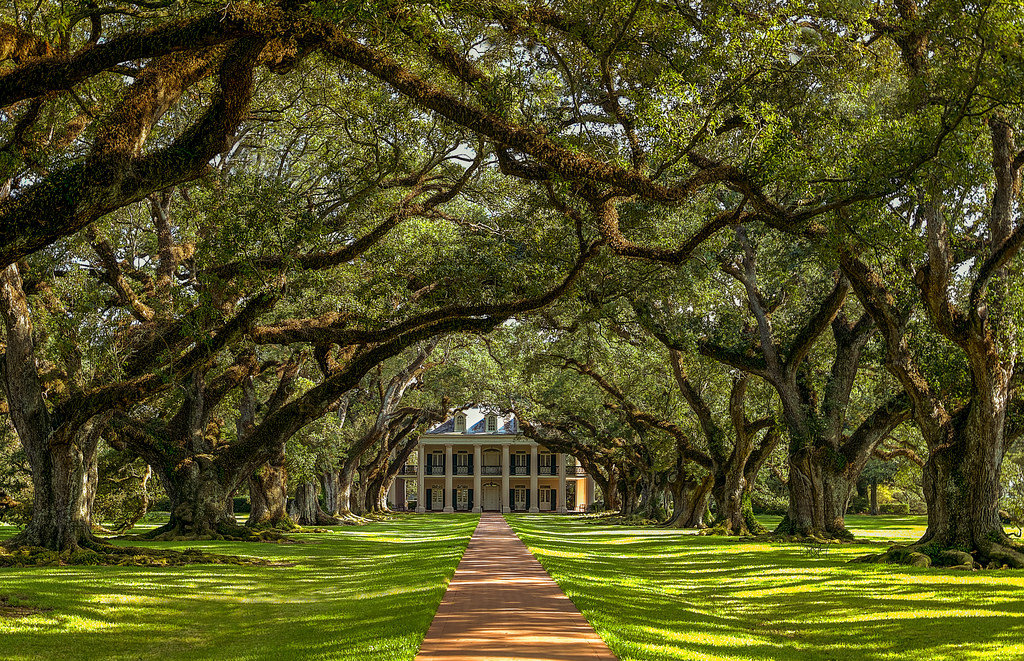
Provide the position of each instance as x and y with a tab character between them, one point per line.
226	532
990	554
790	532
750	527
281	525
98	553
12	607
350	519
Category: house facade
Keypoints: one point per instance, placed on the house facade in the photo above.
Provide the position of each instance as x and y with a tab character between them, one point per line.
478	461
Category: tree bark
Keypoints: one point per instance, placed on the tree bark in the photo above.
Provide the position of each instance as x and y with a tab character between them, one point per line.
61	496
330	481
61	456
962	489
199	501
268	495
689	502
305	508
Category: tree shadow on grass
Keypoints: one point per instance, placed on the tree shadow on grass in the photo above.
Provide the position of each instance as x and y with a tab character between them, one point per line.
356	593
657	596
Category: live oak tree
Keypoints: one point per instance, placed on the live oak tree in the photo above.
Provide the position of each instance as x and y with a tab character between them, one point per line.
828	447
732	453
377	421
648	127
967	275
61	436
182	281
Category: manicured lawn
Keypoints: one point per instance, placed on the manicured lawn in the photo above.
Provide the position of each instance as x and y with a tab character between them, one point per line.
661	594
355	593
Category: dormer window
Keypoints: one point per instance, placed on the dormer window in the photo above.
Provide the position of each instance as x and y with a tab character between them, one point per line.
460	423
492	423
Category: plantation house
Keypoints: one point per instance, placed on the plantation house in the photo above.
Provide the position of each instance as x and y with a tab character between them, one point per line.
478	461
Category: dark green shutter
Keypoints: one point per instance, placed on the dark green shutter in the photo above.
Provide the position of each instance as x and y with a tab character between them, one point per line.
511	499
470	499
430	501
528	498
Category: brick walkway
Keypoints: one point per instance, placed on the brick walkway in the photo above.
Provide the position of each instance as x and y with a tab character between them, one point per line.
502	606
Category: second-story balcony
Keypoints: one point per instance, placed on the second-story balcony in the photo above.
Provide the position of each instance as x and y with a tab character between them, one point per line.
520	470
547	470
463	470
490	470
435	470
408	469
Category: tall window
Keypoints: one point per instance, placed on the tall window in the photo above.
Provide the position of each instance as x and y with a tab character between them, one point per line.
460	422
492	423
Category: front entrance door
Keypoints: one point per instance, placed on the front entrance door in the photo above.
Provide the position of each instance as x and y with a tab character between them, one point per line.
545	499
437	502
462	501
520	498
491	503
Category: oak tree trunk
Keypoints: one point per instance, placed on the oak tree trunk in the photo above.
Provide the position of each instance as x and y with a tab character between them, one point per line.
689	502
305	508
61	497
268	495
199	493
962	490
330	481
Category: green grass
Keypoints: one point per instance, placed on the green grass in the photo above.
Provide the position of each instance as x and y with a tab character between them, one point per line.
363	593
666	594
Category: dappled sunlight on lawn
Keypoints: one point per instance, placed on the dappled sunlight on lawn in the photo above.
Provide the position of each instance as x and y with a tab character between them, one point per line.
354	593
673	595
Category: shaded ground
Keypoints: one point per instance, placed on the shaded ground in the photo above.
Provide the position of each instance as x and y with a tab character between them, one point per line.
355	593
666	594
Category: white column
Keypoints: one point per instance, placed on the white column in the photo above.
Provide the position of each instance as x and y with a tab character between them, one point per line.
560	507
421	491
590	491
449	468
506	468
478	494
534	468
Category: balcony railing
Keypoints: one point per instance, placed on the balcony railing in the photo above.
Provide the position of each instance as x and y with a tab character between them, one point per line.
547	470
520	470
463	470
580	472
490	470
436	470
408	469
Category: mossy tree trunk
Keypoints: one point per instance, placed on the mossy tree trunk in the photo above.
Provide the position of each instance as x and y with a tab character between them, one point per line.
966	435
689	501
305	508
268	496
61	497
61	447
330	481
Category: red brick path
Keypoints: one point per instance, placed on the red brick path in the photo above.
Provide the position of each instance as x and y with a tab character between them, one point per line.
502	606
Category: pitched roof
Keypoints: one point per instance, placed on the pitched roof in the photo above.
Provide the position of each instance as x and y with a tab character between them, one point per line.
476	422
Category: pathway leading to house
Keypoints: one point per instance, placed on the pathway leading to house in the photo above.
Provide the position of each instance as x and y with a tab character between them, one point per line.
502	606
